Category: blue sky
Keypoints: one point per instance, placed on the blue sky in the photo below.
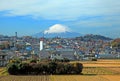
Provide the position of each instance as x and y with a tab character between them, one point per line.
33	16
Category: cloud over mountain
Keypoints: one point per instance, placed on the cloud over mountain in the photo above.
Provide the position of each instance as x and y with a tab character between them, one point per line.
57	28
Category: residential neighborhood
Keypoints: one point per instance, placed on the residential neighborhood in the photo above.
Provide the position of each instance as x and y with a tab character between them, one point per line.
80	48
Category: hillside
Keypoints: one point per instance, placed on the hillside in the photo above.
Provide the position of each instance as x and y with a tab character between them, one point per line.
90	37
116	43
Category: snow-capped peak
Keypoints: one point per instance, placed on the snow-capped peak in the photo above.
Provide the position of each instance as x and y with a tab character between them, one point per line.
57	28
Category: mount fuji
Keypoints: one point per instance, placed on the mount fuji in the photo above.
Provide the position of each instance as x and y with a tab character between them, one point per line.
57	30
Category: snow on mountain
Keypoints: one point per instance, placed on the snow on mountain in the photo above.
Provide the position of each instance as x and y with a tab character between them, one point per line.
57	30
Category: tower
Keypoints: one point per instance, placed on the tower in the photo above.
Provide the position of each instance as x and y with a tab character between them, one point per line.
16	34
41	44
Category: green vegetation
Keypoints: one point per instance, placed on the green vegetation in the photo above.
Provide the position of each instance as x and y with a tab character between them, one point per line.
94	59
61	60
43	68
33	61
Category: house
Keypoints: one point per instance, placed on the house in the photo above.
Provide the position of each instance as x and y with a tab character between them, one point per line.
3	58
57	54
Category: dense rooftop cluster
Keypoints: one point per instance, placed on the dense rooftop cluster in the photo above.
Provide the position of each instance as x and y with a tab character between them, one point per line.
77	48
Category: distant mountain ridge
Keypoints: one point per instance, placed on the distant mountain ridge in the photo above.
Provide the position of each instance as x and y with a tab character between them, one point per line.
62	35
89	37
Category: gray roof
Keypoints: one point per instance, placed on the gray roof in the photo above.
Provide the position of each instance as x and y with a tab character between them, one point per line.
68	54
44	54
3	53
64	54
108	56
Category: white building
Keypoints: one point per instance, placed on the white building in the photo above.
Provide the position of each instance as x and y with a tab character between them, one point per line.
41	45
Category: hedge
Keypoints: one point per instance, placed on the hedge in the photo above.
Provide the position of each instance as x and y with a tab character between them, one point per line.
43	68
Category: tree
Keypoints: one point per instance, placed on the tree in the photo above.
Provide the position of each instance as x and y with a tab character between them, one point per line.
52	67
12	69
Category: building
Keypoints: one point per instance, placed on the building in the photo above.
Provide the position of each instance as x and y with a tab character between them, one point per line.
57	54
41	45
3	58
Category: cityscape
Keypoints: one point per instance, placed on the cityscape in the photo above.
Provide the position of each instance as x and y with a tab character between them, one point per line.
86	47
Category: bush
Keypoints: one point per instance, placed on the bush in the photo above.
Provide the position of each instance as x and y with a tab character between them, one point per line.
52	67
44	68
66	60
78	68
12	69
94	59
17	61
23	68
60	69
61	60
33	61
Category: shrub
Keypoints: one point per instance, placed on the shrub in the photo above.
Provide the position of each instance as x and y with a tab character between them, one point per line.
44	68
94	59
78	68
60	68
66	60
61	60
12	69
23	68
17	61
33	61
52	67
69	68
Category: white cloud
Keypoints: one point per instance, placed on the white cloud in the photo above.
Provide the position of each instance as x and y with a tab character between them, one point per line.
59	9
100	21
57	28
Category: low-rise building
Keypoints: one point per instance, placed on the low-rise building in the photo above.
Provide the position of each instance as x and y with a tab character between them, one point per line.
3	58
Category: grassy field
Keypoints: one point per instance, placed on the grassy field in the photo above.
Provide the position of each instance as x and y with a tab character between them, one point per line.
101	70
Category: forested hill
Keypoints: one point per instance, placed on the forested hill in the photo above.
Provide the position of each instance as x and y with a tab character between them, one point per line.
93	37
